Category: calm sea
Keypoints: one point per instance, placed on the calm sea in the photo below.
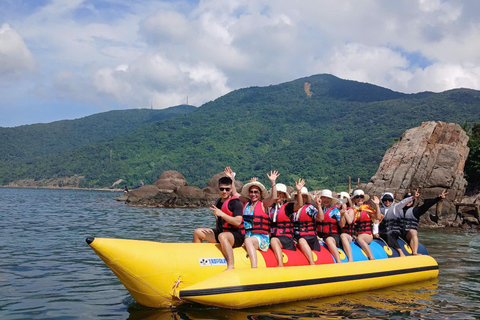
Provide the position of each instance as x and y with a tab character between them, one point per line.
47	271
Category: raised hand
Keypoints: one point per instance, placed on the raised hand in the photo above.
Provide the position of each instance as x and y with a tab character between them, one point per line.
229	173
318	200
273	176
416	194
253	179
299	184
444	194
376	200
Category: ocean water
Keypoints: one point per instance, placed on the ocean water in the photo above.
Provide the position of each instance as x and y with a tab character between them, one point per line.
47	271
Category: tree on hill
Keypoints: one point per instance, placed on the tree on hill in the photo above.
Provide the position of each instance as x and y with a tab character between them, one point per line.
472	165
340	128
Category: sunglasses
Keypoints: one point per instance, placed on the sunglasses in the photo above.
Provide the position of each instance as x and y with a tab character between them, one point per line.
224	189
387	200
359	197
254	191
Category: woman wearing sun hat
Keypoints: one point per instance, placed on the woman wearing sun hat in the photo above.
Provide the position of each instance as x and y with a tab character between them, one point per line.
305	225
347	222
255	217
281	215
329	216
364	216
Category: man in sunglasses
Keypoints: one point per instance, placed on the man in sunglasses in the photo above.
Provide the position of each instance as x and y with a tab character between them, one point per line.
228	212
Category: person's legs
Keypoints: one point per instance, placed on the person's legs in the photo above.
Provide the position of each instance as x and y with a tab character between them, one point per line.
364	240
276	246
251	244
346	239
412	238
227	241
391	240
332	247
305	248
204	234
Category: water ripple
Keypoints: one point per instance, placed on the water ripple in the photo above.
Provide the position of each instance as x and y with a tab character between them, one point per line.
47	271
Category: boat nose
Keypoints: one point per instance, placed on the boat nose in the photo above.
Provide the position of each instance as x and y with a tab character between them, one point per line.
89	240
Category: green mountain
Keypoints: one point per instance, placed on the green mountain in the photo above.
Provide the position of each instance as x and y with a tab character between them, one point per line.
320	128
29	142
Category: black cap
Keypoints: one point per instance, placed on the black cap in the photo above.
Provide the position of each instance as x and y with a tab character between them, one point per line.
387	197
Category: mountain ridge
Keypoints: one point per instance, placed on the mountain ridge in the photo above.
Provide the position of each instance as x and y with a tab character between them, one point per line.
342	129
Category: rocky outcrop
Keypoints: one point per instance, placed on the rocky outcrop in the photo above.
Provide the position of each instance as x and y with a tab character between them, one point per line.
171	180
431	158
172	190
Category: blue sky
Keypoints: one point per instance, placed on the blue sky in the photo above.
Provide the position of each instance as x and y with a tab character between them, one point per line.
65	59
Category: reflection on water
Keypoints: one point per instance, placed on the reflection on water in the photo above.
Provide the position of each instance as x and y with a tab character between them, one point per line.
47	271
404	301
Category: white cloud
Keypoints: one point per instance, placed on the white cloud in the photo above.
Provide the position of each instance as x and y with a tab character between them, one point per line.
130	53
15	57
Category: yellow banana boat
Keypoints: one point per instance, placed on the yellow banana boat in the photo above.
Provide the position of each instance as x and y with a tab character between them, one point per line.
167	274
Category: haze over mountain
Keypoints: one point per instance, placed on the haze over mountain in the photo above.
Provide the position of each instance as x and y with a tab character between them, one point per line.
320	128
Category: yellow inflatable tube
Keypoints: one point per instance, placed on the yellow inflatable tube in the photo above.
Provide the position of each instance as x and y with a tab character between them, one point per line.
243	288
162	275
153	272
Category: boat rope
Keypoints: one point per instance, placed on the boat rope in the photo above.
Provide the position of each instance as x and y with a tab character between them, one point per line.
175	286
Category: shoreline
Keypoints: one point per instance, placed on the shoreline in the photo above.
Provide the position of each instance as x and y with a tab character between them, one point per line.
62	188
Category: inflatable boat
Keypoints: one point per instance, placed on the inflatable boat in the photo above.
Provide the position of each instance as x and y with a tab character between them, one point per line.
162	275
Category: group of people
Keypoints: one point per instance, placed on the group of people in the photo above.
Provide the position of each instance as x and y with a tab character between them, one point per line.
257	220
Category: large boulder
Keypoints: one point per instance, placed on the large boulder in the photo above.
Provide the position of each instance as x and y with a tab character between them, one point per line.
172	191
431	158
145	196
190	192
171	180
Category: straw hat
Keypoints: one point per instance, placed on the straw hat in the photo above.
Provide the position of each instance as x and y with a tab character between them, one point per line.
361	193
304	191
328	194
246	189
283	188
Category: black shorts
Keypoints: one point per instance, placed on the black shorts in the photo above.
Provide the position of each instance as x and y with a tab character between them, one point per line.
312	242
336	237
238	237
287	243
390	239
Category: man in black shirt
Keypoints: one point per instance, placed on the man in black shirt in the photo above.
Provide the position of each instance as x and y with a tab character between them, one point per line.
228	212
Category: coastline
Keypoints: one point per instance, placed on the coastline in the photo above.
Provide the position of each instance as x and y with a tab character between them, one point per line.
60	188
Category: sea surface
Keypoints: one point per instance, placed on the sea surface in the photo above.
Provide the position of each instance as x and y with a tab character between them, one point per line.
47	271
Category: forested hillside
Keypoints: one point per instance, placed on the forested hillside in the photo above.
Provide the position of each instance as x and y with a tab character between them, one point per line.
28	142
321	128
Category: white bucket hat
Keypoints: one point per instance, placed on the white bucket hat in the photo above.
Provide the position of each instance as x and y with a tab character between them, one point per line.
361	193
246	189
344	194
283	188
328	194
304	191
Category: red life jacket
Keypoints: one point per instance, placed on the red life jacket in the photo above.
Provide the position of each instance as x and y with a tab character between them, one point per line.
363	222
227	227
328	226
282	223
303	223
261	220
349	228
